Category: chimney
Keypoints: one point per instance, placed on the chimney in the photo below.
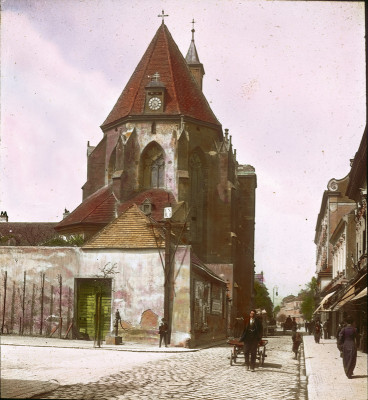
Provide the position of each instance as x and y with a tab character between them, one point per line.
4	216
66	213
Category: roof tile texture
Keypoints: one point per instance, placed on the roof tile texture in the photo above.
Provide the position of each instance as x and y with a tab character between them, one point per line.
183	95
99	208
132	230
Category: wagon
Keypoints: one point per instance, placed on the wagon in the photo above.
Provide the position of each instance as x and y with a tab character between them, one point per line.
237	351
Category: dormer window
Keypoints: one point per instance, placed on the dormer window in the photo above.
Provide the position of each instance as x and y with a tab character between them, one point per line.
146	207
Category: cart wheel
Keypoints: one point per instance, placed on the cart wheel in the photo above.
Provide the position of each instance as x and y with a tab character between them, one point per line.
263	356
260	357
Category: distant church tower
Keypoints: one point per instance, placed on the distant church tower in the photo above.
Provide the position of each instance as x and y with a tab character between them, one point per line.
162	143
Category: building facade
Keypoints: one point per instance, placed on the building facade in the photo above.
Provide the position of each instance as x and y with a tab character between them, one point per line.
344	291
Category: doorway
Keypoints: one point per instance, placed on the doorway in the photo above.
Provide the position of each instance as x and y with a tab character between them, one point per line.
93	307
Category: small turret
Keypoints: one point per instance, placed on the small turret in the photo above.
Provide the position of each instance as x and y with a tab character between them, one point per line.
192	59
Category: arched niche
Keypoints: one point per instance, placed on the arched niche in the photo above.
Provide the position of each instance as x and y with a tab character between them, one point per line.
152	167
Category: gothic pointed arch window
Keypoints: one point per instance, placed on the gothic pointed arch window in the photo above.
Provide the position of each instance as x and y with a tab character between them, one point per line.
152	163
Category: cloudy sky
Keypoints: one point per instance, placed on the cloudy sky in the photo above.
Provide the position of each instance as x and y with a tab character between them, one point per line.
286	78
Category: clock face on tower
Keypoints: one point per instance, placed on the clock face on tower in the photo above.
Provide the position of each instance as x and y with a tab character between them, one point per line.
154	103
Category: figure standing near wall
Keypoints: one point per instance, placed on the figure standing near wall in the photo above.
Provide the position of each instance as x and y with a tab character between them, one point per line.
163	330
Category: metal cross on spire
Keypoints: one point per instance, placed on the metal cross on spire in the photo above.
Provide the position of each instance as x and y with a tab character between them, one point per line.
156	76
193	30
163	15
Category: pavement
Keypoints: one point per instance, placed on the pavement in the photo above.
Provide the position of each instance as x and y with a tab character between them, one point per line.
15	340
325	373
27	384
317	374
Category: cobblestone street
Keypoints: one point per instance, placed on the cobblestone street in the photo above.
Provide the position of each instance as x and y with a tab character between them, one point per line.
205	374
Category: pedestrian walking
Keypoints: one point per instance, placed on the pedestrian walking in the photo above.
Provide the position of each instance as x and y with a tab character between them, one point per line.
347	337
296	344
294	328
251	336
311	327
163	330
325	330
287	324
317	331
339	345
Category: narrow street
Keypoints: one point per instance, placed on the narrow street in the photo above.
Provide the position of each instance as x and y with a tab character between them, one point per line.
205	374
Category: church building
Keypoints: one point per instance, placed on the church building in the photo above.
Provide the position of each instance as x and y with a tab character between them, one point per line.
162	144
163	150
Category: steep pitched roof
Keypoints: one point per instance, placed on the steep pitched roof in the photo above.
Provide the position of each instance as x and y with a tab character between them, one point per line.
183	96
99	208
131	230
192	55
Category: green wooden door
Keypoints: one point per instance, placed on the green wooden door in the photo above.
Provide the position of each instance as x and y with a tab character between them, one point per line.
94	306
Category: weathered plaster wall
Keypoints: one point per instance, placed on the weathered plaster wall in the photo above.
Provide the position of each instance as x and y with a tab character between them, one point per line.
35	261
137	286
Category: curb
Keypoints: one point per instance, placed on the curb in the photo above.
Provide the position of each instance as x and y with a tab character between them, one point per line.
118	348
303	379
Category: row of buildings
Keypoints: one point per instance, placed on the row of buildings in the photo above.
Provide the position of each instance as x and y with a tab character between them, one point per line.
341	248
291	307
166	221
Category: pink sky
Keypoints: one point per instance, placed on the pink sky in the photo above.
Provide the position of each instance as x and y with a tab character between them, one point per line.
286	78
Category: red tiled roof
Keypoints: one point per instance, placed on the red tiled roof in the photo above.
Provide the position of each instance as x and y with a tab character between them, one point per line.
26	233
183	95
158	198
99	208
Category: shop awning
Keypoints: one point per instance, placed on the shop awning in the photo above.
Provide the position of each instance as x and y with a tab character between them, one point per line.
361	294
348	296
320	308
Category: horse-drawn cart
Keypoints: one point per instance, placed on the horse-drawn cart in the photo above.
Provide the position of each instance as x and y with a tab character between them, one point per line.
237	351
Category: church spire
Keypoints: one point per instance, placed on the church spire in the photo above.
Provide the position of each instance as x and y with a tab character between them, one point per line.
192	59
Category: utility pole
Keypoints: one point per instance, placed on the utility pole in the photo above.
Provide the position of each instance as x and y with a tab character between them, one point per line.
168	273
167	263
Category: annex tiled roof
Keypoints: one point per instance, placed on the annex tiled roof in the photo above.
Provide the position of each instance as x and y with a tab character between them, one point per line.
131	230
183	95
26	233
99	208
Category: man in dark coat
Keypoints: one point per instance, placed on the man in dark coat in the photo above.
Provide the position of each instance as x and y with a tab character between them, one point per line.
163	330
347	337
251	336
317	331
